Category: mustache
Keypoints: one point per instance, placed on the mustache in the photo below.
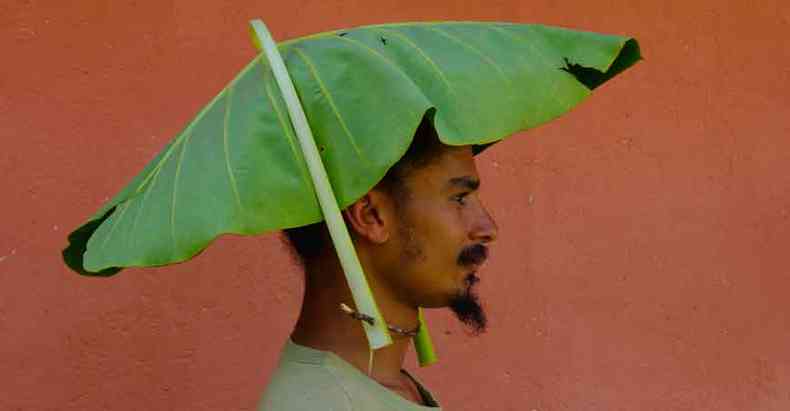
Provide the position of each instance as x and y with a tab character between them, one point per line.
473	255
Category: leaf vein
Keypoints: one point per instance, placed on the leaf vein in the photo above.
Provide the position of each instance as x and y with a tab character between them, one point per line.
231	177
422	54
287	130
372	51
331	102
124	207
175	192
164	158
148	190
475	50
543	59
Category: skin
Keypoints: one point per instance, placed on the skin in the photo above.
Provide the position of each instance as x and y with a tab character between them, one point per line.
409	251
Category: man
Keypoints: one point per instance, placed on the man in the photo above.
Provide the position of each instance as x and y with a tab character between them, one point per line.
421	234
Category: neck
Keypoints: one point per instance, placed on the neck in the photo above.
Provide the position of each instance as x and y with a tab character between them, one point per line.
323	325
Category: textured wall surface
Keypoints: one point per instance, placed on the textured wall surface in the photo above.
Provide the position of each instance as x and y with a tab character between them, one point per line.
642	262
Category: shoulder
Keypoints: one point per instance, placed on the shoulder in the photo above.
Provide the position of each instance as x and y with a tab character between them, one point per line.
304	386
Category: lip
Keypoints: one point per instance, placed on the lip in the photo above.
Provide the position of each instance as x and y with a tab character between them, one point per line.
475	267
469	280
470	271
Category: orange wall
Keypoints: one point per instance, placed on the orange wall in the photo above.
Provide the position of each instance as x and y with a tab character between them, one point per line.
642	262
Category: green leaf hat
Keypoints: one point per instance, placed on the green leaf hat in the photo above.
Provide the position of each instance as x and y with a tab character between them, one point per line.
237	166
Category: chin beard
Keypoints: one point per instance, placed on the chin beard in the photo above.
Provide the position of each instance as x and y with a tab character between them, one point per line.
467	307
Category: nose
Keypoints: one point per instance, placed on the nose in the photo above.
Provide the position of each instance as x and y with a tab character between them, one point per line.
484	229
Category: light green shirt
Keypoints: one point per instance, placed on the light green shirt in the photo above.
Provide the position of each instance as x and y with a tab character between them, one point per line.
310	379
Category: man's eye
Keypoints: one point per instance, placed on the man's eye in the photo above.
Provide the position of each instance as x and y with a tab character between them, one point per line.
460	198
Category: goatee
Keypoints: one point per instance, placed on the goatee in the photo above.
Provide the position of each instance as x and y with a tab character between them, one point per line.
467	307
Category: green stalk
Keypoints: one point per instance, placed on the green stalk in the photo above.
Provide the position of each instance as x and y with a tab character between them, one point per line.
423	345
377	334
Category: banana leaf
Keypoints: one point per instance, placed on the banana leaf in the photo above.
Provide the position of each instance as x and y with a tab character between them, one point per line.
236	167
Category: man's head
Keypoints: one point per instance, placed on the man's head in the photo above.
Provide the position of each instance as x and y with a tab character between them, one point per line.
421	233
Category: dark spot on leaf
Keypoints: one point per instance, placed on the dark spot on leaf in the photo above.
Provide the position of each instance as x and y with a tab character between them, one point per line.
593	78
590	77
342	34
383	40
321	148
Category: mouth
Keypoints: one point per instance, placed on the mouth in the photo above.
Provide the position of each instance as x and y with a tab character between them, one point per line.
470	260
471	279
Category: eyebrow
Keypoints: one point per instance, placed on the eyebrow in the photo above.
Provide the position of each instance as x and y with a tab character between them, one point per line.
468	182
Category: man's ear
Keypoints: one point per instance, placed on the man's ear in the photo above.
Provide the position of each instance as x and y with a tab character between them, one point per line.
367	217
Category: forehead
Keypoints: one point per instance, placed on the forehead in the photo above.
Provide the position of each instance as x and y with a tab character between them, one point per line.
448	164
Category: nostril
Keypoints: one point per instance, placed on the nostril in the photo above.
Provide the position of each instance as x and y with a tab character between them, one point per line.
486	234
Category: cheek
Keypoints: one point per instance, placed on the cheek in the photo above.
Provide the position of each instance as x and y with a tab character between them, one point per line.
445	239
445	227
439	231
